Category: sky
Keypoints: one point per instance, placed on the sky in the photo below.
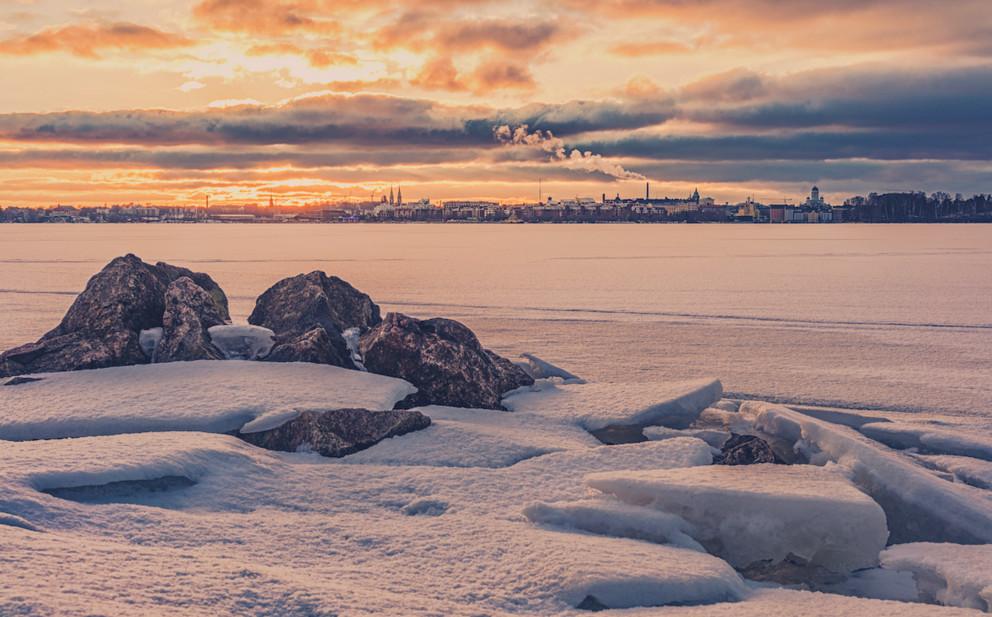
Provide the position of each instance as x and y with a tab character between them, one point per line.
302	101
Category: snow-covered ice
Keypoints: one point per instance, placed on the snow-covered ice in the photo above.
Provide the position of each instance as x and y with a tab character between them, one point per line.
951	574
931	439
205	395
542	369
242	342
791	603
919	505
965	469
483	513
461	437
762	513
612	518
595	406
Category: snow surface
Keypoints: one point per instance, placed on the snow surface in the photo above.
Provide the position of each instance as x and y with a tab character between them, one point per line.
483	513
919	505
597	405
195	396
931	439
266	533
753	513
790	603
459	437
951	574
242	342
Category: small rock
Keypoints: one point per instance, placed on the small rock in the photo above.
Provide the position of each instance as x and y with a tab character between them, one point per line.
746	450
337	432
443	359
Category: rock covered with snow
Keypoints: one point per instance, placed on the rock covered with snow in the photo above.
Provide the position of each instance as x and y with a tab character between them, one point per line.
334	432
104	324
762	514
443	359
189	313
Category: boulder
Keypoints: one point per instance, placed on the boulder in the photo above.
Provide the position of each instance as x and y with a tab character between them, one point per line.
297	304
308	314
746	450
316	346
102	327
170	273
337	432
189	312
443	359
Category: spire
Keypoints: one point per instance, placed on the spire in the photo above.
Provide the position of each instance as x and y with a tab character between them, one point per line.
399	196
391	200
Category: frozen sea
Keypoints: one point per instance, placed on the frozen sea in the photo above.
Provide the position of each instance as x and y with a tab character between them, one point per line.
888	317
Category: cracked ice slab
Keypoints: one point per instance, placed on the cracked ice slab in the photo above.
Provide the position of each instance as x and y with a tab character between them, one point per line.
919	505
754	513
594	406
951	574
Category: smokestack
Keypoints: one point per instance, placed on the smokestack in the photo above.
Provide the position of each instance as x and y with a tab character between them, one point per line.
647	191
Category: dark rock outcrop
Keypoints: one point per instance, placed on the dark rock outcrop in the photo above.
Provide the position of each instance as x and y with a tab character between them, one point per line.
308	313
337	432
103	325
316	346
443	358
746	450
189	311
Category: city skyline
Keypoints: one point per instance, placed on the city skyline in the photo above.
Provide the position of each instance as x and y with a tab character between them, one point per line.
170	101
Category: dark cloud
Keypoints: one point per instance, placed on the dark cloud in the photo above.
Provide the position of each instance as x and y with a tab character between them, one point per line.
89	40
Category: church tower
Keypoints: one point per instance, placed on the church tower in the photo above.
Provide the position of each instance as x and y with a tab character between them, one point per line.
391	201
399	196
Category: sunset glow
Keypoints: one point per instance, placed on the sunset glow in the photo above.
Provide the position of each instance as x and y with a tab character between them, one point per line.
170	101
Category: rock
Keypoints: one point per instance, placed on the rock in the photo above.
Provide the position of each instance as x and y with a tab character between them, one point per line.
102	327
443	359
512	376
189	312
171	273
308	314
298	304
746	450
316	346
337	432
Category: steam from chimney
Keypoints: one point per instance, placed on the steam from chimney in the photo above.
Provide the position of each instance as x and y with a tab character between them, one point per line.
559	153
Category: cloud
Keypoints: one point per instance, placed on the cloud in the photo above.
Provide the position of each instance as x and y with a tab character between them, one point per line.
88	40
651	48
267	17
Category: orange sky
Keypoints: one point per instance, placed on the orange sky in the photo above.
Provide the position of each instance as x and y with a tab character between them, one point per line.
167	101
